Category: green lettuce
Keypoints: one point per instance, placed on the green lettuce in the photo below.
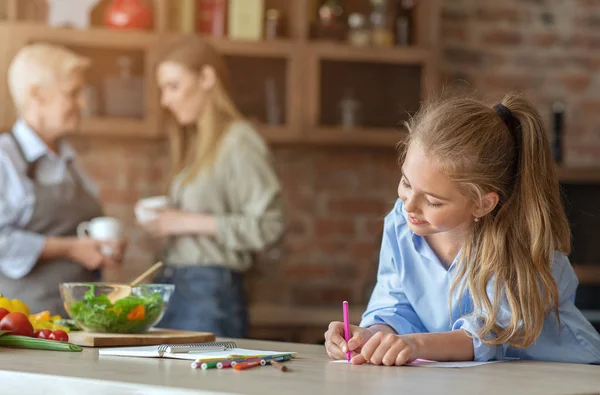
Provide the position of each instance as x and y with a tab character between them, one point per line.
97	313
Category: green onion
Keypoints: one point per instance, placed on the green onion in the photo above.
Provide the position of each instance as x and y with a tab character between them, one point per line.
35	344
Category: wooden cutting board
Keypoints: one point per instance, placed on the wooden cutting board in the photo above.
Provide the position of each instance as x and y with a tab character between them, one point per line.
154	336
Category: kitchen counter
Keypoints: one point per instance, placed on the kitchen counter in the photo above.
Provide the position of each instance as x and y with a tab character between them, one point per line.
28	371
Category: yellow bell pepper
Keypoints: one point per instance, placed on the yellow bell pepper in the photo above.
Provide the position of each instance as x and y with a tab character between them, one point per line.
20	306
5	303
14	306
43	320
42	316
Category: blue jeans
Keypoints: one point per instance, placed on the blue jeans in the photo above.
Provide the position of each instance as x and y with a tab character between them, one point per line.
206	299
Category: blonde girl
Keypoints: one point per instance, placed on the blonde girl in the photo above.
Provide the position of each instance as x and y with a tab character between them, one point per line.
474	260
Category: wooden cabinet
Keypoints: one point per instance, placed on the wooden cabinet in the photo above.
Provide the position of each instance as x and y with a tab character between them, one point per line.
290	87
305	77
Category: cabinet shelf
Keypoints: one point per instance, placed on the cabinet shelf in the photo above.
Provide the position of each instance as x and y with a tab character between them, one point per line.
579	175
92	37
588	274
374	137
114	127
346	52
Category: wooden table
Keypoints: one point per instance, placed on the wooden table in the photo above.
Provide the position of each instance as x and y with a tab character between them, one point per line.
27	372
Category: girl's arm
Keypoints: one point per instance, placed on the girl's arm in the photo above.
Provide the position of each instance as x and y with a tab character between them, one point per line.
444	346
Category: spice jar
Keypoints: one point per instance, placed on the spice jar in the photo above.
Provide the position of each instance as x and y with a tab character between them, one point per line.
359	34
405	23
381	24
272	24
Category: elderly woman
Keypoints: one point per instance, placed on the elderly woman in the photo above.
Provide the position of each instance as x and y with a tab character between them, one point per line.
44	193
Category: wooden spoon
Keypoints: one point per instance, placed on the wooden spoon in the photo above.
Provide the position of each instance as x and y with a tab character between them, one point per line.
124	290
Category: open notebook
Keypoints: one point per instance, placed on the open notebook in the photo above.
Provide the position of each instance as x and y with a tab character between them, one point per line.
193	351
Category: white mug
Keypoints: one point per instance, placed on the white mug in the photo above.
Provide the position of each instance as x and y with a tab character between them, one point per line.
101	228
145	209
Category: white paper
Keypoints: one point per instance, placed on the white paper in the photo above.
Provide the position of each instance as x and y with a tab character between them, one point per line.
422	363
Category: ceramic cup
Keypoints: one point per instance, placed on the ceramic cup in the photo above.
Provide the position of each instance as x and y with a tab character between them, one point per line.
103	229
145	209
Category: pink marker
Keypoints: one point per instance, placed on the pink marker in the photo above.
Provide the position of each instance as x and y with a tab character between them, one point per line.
346	328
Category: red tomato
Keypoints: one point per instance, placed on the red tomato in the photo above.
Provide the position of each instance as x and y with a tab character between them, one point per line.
17	323
59	335
3	312
43	334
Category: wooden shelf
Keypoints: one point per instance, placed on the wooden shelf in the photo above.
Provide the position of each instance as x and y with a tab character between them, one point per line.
278	134
346	52
588	274
376	137
92	37
583	175
114	127
298	59
272	48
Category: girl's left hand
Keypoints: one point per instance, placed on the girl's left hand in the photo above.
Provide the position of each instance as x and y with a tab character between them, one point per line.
168	222
387	349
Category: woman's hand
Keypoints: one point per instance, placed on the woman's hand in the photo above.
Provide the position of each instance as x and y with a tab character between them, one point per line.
87	252
336	345
118	248
387	349
175	222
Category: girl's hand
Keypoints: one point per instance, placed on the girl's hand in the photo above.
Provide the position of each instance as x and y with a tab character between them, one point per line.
336	345
387	349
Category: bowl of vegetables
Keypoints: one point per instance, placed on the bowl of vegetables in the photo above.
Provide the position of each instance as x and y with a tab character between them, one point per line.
116	308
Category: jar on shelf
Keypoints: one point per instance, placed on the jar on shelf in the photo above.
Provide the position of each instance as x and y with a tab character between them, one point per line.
124	93
329	25
273	24
358	33
211	17
350	111
381	24
405	23
129	14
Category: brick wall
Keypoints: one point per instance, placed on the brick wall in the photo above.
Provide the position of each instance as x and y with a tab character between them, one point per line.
336	198
547	49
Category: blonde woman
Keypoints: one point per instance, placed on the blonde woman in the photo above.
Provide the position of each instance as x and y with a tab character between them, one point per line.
225	195
44	194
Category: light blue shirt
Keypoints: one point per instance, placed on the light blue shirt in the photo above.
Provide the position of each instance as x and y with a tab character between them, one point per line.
412	296
19	249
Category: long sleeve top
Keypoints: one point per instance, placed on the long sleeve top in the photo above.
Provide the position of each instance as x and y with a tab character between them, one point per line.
20	249
242	191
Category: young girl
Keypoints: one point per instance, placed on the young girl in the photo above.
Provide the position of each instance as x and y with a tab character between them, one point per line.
473	262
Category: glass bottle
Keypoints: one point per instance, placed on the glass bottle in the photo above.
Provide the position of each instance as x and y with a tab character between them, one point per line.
124	93
405	23
359	34
381	24
558	121
273	24
350	111
329	26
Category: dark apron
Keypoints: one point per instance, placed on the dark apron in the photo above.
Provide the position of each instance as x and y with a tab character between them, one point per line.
59	208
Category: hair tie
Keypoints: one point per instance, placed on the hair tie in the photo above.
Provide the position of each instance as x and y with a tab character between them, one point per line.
511	122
